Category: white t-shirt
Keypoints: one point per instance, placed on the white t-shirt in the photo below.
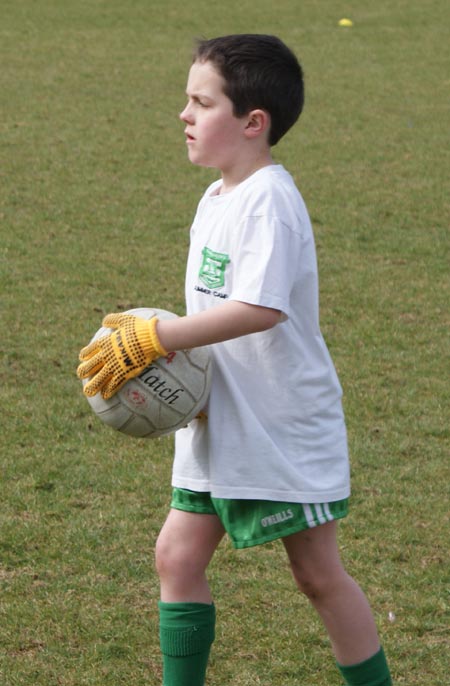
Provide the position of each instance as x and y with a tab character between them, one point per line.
275	427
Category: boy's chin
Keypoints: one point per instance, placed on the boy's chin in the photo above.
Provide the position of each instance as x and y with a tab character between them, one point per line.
200	161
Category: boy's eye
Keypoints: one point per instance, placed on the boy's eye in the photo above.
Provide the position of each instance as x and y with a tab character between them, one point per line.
199	102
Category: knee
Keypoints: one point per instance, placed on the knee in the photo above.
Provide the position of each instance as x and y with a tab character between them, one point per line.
166	557
312	587
314	583
172	559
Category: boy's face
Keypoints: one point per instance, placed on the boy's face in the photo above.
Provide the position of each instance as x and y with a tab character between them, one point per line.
214	136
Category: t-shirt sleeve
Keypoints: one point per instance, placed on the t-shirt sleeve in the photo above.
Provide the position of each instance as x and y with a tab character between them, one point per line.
266	255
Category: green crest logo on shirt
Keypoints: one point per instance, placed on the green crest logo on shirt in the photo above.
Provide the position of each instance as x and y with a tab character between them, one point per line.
212	270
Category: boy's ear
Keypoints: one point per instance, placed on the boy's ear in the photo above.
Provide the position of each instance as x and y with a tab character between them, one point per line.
258	123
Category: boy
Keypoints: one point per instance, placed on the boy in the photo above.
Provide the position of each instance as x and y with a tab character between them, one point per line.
271	459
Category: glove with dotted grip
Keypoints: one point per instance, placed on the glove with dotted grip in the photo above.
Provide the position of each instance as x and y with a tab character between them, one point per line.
114	359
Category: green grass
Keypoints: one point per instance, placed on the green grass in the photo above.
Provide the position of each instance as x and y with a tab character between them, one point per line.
96	197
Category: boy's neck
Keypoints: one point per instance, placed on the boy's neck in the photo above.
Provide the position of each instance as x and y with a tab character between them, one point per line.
232	178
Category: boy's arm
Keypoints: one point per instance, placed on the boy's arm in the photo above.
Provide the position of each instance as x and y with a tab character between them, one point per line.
135	342
228	320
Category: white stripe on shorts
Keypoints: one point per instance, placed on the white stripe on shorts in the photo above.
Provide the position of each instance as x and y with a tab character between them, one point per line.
328	514
309	516
319	512
322	514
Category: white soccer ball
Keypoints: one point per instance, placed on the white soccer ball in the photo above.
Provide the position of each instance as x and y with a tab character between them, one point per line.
166	396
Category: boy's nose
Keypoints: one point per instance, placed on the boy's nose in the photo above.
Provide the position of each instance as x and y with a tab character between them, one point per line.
186	115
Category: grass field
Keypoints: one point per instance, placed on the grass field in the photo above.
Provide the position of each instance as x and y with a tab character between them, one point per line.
96	196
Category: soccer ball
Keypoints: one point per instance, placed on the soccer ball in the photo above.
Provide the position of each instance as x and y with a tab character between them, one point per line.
166	396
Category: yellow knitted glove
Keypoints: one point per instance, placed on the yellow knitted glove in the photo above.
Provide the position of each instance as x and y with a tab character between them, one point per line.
114	359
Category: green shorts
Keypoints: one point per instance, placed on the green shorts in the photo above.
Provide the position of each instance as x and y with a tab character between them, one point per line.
253	522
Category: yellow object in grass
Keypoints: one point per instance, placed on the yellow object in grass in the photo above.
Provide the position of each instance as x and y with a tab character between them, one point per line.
345	22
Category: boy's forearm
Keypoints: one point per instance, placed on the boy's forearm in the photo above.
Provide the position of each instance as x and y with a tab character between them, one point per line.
227	321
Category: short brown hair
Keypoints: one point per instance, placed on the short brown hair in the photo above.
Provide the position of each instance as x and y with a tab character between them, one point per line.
260	72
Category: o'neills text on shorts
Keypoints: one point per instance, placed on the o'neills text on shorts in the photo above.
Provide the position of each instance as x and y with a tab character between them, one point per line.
277	518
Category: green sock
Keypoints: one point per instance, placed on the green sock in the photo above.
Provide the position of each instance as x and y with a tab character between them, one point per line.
186	634
371	672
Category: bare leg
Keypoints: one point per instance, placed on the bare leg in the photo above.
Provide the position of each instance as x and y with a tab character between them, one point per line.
184	549
338	599
186	612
